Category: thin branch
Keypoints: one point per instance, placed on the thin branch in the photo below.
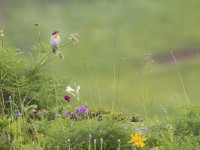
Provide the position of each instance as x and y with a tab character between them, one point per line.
66	43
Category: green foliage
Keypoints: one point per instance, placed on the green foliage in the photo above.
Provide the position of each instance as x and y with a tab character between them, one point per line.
62	129
4	121
189	122
177	133
28	83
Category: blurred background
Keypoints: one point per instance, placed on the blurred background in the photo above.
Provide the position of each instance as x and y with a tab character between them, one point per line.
125	46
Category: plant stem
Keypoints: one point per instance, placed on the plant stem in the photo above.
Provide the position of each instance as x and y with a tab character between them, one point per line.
66	43
89	144
49	60
113	87
176	64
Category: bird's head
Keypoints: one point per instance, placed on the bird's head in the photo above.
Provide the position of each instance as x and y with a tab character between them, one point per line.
55	34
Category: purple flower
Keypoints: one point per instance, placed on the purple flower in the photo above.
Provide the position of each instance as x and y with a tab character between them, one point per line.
77	110
86	106
88	111
15	112
82	110
19	115
78	117
69	115
89	136
101	116
10	99
67	98
101	141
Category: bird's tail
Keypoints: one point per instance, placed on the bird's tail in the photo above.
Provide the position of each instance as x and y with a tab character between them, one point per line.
54	50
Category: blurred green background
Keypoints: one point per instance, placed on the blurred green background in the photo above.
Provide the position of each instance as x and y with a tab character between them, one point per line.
126	46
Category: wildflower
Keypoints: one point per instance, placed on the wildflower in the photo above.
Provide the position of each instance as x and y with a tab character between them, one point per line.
67	98
78	117
89	136
19	115
73	38
101	116
138	140
82	110
10	99
77	91
101	141
77	111
34	142
119	141
1	33
71	113
169	127
70	90
15	112
86	106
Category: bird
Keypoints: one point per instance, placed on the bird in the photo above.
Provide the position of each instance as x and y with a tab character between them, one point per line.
55	41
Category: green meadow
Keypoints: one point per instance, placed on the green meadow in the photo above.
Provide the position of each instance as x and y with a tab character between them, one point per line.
114	38
135	56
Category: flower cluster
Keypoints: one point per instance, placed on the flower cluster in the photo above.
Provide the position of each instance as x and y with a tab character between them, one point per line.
69	115
80	112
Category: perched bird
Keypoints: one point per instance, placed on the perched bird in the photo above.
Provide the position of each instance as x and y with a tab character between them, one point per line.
55	41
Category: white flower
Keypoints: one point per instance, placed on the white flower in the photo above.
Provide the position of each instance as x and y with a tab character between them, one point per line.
69	89
77	90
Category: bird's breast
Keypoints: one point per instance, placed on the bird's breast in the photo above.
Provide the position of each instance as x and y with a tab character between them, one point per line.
55	41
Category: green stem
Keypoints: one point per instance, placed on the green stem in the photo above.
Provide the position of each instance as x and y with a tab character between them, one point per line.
38	32
49	60
47	55
66	43
89	144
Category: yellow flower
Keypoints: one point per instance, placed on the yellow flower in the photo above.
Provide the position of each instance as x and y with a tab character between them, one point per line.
138	140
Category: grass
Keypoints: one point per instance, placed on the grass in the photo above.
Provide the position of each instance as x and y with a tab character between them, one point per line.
137	27
60	124
111	65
